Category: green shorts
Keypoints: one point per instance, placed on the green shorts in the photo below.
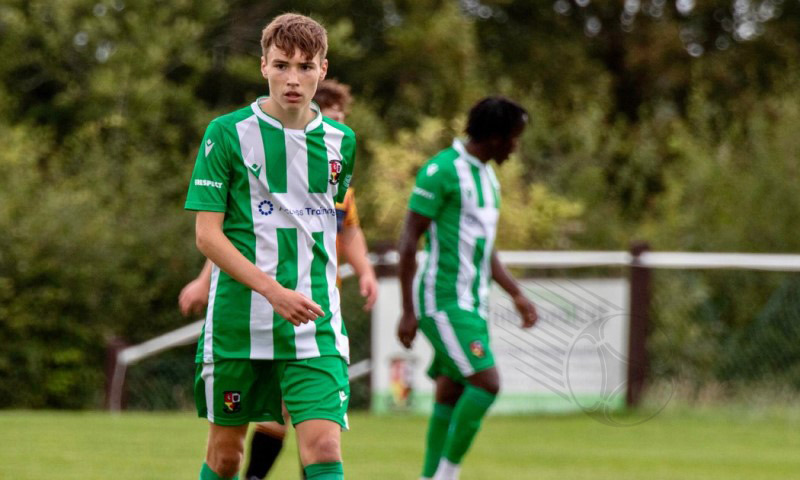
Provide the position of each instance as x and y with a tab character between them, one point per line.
460	341
236	392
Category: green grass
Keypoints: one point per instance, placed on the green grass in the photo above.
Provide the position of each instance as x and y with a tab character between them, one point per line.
677	444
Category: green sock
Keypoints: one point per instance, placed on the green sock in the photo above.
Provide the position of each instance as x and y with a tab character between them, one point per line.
437	434
207	474
467	416
324	471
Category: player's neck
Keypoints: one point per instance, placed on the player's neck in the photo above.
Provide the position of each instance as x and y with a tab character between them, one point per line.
478	151
295	119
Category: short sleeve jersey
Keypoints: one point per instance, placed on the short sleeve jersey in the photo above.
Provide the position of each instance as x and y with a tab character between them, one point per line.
277	188
461	195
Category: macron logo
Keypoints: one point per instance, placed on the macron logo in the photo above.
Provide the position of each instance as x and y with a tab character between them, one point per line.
209	146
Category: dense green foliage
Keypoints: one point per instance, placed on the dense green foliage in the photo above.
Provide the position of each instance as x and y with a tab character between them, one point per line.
669	121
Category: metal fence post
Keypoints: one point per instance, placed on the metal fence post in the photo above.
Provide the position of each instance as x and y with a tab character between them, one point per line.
640	318
115	345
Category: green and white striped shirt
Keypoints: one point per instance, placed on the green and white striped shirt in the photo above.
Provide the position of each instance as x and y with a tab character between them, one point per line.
462	197
277	188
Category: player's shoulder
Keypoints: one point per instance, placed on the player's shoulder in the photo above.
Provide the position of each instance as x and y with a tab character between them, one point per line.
445	157
442	164
347	131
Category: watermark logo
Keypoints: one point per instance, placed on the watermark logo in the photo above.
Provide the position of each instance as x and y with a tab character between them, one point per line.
594	352
576	355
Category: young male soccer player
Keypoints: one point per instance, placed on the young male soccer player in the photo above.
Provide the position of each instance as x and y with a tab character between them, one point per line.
455	202
264	188
333	99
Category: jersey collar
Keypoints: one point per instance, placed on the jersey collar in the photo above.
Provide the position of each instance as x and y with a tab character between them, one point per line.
459	147
312	125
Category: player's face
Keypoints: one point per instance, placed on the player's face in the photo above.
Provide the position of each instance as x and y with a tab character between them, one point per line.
503	147
292	80
335	112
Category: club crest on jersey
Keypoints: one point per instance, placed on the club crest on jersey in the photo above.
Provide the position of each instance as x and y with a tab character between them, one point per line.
232	402
476	349
336	170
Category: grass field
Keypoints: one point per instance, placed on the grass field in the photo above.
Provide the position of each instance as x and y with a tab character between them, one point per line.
678	444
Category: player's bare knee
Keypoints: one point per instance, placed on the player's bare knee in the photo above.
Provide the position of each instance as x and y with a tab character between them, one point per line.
448	391
225	461
488	380
492	387
326	449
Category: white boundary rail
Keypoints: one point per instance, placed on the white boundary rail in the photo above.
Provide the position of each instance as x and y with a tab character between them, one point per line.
531	259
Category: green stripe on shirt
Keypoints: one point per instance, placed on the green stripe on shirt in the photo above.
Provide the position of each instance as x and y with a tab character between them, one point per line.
274	157
318	168
287	276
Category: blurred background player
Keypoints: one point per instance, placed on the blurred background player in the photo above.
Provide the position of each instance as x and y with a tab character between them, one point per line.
334	100
455	203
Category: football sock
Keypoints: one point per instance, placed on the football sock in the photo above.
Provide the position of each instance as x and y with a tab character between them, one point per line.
447	470
437	434
467	417
325	471
207	474
264	449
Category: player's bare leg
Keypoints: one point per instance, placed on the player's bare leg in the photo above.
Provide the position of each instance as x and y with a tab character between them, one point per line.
224	451
320	452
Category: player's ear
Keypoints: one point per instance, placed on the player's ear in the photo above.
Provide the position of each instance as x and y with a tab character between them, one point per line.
264	67
323	69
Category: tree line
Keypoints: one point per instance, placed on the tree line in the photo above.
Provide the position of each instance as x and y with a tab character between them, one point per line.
671	121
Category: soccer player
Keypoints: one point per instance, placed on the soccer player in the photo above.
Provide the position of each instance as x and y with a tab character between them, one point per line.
455	203
264	187
333	99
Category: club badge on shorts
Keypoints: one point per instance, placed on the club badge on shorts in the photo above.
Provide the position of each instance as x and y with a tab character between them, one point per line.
232	402
476	348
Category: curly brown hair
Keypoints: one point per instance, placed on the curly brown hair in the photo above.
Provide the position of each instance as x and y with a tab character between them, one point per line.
330	93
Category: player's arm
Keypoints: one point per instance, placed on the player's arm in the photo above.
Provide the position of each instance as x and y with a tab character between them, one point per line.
354	248
211	240
415	226
503	278
194	296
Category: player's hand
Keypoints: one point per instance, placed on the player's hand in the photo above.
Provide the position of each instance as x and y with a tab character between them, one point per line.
193	299
368	286
526	310
294	306
407	329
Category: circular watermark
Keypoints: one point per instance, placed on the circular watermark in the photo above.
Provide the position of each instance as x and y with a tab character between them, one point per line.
596	373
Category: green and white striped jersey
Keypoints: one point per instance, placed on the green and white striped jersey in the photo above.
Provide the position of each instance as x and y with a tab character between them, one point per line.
462	197
277	188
